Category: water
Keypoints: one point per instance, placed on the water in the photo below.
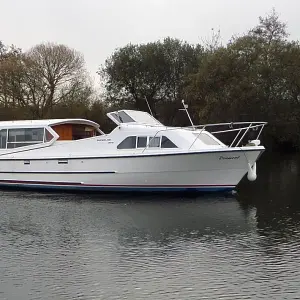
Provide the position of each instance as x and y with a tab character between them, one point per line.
56	246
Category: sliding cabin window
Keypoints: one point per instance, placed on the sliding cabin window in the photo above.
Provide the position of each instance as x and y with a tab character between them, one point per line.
24	137
3	138
154	142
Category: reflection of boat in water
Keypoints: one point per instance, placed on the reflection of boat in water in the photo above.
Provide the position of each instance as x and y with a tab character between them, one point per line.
140	154
145	219
168	220
130	221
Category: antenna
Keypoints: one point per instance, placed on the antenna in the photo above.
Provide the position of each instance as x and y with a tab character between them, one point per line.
185	107
149	106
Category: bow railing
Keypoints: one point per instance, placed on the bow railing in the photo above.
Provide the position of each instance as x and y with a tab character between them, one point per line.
241	129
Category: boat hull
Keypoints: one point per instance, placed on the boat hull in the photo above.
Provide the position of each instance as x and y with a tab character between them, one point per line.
181	172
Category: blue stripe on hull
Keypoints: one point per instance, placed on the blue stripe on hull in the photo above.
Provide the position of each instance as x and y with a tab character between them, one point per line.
118	188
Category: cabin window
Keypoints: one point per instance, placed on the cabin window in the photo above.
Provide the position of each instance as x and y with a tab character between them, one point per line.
24	137
142	142
166	143
133	142
3	138
128	143
154	141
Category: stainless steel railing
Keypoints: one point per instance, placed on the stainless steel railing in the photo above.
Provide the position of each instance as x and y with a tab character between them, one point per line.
242	128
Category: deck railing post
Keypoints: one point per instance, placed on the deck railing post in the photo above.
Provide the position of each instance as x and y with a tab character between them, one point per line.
236	137
244	134
262	127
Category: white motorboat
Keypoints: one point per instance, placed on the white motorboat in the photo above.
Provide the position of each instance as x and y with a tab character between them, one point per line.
140	154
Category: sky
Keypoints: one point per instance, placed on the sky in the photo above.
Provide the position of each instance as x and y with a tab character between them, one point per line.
97	27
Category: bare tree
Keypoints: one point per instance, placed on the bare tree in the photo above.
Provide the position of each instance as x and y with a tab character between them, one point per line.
53	72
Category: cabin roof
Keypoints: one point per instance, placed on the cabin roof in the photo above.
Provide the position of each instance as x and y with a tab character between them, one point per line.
47	122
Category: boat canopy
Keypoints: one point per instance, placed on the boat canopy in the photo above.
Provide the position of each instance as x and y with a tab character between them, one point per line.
47	122
15	134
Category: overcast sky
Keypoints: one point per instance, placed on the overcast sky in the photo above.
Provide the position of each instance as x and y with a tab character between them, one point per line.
97	27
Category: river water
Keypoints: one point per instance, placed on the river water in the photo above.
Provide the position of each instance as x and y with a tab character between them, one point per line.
246	246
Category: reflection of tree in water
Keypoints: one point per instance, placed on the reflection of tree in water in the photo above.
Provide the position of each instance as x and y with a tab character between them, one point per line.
275	195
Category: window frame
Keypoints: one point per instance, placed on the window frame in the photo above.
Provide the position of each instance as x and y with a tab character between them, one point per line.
23	143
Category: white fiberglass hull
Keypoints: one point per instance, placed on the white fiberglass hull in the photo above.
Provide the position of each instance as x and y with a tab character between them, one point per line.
196	171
